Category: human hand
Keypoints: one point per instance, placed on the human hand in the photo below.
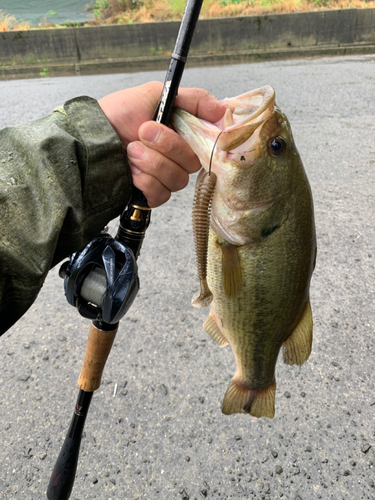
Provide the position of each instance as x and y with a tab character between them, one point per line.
160	160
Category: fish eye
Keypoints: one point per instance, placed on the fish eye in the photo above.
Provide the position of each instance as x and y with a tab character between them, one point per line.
277	146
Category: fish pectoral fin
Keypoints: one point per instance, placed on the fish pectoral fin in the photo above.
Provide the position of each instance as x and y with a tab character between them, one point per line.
297	347
232	271
258	402
211	327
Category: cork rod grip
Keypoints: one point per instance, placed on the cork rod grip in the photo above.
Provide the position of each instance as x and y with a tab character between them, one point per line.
98	348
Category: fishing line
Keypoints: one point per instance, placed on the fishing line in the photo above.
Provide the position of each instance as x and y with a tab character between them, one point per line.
213	149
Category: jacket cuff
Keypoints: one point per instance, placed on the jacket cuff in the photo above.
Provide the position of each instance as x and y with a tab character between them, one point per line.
106	179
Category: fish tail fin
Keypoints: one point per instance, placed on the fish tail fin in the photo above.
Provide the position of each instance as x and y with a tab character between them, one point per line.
297	347
258	402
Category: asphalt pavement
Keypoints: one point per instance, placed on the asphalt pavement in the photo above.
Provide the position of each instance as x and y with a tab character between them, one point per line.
155	429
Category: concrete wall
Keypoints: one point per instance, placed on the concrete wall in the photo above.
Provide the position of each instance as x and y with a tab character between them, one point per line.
101	45
286	30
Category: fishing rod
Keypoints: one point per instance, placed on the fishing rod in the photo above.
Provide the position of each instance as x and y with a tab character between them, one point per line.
101	281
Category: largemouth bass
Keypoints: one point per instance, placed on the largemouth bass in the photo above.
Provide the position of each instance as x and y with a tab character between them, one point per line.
254	228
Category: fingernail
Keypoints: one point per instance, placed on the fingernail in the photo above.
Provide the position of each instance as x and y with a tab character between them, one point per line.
150	132
135	150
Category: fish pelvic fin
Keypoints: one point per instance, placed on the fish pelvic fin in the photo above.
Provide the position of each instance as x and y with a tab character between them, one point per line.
232	271
258	402
211	327
297	347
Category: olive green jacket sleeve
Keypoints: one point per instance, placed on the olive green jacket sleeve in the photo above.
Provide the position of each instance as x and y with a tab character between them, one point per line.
62	179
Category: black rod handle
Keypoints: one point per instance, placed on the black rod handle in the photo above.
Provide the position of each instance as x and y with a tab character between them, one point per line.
62	479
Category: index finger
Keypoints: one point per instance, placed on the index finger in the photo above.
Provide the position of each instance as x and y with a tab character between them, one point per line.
200	103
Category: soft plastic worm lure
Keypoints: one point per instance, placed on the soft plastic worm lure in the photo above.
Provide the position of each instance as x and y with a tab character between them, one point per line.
204	190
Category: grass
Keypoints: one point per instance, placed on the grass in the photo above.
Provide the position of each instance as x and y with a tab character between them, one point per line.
131	11
9	23
140	11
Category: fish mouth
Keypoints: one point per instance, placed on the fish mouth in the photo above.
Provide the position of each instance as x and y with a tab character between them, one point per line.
233	133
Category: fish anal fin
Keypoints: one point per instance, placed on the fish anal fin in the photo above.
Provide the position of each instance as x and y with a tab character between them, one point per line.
211	327
232	272
297	347
258	402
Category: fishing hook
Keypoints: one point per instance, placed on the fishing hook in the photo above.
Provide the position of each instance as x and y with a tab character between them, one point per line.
212	152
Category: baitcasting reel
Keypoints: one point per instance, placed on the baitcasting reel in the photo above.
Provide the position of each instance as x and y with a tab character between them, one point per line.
102	280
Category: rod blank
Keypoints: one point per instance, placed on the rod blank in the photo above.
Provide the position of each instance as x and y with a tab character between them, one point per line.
101	336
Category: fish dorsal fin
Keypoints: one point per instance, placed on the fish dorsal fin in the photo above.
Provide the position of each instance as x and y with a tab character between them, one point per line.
232	271
211	327
297	347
